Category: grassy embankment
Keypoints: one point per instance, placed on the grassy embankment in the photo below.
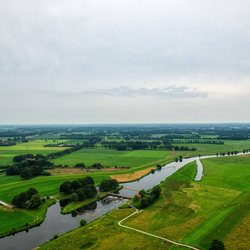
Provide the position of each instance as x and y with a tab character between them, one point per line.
187	211
15	220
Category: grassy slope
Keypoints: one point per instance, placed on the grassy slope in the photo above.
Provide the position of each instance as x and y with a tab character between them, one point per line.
104	233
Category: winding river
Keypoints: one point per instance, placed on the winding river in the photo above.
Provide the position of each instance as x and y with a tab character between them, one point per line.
56	223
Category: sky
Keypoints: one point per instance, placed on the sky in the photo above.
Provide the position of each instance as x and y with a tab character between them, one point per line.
109	61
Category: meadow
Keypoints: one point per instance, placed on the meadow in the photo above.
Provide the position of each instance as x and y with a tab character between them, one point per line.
32	147
111	157
212	149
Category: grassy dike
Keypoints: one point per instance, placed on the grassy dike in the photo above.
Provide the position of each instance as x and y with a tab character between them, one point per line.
16	220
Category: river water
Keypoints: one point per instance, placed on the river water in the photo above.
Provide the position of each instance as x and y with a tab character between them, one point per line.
56	223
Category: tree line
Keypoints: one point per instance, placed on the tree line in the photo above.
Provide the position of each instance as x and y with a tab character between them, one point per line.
79	189
30	199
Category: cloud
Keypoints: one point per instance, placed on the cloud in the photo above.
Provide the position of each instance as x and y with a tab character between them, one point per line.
170	92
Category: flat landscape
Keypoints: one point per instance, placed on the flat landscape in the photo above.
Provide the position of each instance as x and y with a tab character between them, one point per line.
111	157
32	147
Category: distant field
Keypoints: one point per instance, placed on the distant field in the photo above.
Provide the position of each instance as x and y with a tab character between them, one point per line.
147	154
112	158
210	149
32	147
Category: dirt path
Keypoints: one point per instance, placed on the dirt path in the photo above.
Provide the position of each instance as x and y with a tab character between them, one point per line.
139	231
131	176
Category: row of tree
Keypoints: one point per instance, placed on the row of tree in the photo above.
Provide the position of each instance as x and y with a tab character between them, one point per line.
30	199
69	187
106	185
147	199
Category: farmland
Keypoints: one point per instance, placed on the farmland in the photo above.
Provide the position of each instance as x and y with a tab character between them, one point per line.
187	211
32	147
111	158
212	149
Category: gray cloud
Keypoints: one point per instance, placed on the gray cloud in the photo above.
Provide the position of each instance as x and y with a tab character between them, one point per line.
77	50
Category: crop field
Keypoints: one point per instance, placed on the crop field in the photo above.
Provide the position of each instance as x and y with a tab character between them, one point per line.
32	147
212	149
112	158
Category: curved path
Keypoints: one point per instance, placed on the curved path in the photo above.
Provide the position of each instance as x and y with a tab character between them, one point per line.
139	231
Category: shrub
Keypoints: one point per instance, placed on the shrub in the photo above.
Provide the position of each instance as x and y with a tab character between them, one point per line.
83	222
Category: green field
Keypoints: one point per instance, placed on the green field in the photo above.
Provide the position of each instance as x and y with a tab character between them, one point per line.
229	172
111	157
212	149
32	147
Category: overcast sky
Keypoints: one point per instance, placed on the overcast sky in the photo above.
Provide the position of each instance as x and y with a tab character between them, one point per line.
131	61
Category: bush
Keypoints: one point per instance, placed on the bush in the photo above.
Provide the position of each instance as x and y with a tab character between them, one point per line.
83	222
55	236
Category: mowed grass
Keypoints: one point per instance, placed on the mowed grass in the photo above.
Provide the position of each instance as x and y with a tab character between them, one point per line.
111	158
13	218
32	147
229	172
45	185
212	149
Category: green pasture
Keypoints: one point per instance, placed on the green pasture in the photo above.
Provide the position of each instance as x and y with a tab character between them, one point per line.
45	185
14	219
212	149
229	172
112	158
32	147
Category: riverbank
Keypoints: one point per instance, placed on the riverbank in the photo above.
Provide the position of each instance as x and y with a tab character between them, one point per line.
38	214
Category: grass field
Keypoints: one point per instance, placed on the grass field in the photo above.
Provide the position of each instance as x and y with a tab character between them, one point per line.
228	172
112	158
32	147
212	149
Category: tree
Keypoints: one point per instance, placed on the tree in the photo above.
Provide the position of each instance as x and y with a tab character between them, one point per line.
76	185
217	245
13	170
83	222
142	193
26	174
35	201
156	191
65	187
19	199
81	195
31	192
74	197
